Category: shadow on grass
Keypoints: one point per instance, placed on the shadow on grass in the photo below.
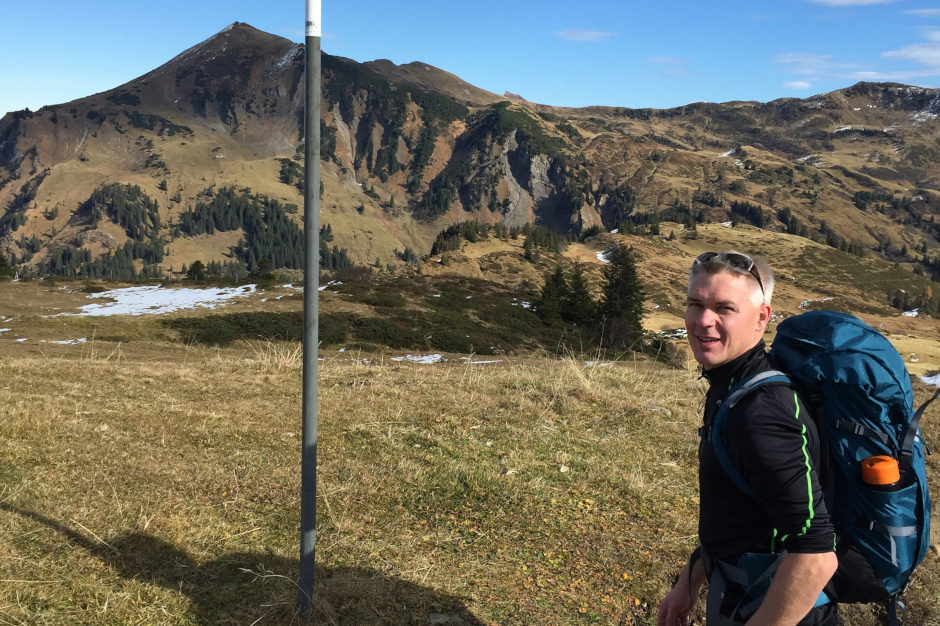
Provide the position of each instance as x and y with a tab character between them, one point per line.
260	588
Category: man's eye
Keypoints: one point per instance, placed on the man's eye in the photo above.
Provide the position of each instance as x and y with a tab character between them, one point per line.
725	309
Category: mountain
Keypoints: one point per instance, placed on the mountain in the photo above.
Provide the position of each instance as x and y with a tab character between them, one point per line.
201	159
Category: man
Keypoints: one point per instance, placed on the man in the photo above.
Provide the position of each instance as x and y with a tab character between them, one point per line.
773	444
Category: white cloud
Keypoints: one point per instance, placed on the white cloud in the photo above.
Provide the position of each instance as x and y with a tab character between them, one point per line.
910	63
671	66
926	54
890	77
809	64
923	12
582	34
852	3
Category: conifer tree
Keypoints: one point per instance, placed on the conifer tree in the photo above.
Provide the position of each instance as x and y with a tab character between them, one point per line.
196	271
527	249
579	307
5	270
621	303
554	293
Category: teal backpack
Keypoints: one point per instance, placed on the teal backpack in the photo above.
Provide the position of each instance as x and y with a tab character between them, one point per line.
859	392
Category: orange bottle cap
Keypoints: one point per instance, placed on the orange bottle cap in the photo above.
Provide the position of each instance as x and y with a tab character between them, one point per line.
880	470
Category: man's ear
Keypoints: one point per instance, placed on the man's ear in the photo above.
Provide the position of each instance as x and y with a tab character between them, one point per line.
763	317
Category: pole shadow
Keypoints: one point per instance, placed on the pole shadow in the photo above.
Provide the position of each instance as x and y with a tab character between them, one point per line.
260	588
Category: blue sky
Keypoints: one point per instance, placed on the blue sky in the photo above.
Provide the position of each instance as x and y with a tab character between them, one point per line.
607	52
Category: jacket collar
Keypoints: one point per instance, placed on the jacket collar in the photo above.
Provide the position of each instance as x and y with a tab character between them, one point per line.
726	375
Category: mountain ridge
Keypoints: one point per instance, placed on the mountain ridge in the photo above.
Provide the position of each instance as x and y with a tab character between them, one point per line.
409	149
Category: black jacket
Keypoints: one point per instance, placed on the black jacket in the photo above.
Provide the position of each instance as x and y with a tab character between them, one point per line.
773	443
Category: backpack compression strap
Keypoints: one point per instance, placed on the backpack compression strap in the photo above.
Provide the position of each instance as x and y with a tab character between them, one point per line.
906	453
716	433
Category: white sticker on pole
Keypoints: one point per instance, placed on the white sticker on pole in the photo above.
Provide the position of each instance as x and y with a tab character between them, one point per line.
314	26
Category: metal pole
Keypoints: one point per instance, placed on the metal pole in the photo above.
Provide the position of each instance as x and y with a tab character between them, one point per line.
308	463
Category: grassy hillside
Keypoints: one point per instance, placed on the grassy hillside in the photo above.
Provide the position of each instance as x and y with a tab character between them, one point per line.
530	491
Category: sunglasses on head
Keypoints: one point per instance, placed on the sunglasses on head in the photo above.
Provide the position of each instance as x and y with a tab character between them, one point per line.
736	260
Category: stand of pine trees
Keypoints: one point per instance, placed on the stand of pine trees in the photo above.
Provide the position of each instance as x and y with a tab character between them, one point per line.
269	232
133	210
614	320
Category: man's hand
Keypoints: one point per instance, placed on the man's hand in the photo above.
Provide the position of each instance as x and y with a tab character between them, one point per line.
677	606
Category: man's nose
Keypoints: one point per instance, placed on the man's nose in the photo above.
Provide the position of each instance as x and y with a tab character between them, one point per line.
707	317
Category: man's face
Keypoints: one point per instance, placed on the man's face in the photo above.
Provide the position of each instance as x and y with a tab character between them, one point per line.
721	318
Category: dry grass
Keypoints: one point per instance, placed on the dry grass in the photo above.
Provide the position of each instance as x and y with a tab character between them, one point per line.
531	491
150	480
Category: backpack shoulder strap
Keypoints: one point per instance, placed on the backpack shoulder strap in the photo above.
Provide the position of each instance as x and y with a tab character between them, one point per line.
717	435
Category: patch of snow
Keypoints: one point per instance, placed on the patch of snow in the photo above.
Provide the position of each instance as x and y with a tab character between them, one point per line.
922	116
602	257
730	152
22	339
154	299
932	380
726	224
3	330
842	129
615	231
912	313
435	295
597	363
423	359
806	303
285	61
677	333
856	108
332	282
69	342
526	305
468	297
